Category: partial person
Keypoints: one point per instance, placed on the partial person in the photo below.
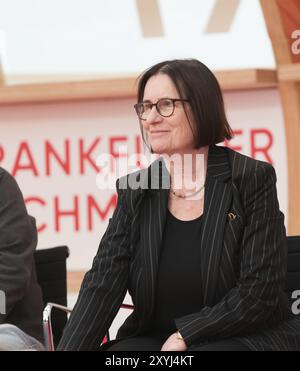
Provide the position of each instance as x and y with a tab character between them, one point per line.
22	305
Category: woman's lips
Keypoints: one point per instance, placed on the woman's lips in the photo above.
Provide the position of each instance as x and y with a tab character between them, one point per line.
158	133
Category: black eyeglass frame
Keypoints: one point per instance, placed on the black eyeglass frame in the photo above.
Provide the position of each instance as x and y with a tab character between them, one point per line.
156	106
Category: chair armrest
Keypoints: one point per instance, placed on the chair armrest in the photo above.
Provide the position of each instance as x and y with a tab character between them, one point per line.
127	306
47	325
107	336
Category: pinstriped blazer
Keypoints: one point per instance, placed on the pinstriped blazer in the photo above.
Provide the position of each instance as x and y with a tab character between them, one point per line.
243	261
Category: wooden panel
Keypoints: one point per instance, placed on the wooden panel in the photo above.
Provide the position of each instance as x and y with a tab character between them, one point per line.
290	93
289	72
282	19
118	87
290	17
65	91
150	19
222	16
276	32
246	79
74	281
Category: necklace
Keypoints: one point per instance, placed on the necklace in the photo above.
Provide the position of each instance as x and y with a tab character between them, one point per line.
188	195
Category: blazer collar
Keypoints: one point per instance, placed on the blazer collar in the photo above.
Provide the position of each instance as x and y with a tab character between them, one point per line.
218	164
157	176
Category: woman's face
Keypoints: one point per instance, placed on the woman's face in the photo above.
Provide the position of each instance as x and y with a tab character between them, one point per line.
167	135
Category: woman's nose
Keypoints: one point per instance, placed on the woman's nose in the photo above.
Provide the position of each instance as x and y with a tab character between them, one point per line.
154	116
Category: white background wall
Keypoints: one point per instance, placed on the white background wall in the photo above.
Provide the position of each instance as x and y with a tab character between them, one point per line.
104	36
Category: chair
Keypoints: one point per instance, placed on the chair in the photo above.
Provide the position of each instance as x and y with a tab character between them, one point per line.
52	277
292	284
48	319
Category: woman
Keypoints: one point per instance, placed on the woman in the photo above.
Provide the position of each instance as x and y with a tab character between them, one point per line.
204	262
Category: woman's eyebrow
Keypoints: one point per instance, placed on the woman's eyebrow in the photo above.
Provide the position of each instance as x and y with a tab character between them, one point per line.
149	101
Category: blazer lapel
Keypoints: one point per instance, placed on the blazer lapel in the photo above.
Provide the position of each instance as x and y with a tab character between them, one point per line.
217	200
153	218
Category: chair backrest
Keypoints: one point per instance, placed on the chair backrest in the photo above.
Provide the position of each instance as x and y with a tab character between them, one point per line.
51	270
293	270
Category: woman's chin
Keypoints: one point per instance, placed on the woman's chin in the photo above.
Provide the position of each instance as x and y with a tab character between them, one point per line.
160	146
159	150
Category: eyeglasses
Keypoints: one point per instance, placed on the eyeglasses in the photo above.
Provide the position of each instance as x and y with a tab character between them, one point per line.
165	107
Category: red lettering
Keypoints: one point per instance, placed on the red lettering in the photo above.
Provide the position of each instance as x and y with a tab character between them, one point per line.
85	155
29	165
138	150
51	153
59	214
29	200
1	154
115	151
92	205
233	147
264	150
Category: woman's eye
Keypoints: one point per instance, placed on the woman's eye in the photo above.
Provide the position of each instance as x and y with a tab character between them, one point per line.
167	103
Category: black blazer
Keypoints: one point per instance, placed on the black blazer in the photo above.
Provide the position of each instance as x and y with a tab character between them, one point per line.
243	261
18	239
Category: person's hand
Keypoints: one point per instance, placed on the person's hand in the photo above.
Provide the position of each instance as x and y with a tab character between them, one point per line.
174	344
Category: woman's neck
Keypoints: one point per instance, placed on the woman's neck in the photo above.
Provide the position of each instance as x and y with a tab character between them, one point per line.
187	169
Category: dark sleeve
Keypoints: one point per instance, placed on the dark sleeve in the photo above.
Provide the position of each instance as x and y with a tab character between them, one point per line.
18	239
252	302
103	289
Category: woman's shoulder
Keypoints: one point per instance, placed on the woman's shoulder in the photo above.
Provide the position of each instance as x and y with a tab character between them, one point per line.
244	168
131	187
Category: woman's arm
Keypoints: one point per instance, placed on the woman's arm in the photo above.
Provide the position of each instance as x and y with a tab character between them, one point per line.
248	306
103	289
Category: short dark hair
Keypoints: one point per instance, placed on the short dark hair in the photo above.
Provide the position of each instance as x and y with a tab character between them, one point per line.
195	82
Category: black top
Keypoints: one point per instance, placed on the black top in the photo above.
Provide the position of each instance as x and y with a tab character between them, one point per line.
179	287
